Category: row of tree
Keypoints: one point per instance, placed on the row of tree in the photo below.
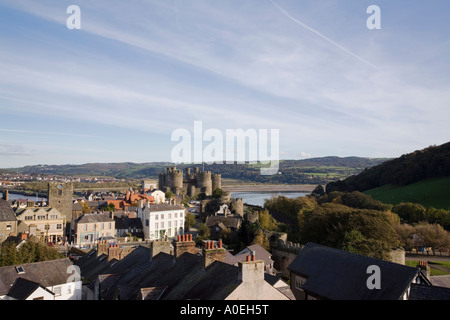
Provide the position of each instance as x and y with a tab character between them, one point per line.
28	252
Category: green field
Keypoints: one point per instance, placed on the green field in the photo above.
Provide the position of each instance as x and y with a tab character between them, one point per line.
429	193
434	267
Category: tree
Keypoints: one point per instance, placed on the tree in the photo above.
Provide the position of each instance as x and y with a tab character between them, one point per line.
85	208
217	193
27	253
433	235
318	191
189	221
262	240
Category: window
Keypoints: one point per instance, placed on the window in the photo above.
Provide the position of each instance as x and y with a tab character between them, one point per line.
162	216
102	226
156	217
299	282
170	224
176	215
53	216
85	227
109	225
146	222
170	216
175	223
57	291
8	227
59	226
28	218
162	225
156	225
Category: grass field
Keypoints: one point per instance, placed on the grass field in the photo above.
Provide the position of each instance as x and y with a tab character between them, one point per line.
434	271
430	193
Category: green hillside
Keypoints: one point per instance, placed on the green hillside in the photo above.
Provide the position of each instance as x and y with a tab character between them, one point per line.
429	193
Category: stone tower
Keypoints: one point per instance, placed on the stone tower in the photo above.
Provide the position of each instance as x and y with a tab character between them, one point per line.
60	195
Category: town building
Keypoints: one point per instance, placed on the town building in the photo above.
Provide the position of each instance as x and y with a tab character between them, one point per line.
160	221
45	223
8	221
256	250
90	228
46	280
324	273
146	274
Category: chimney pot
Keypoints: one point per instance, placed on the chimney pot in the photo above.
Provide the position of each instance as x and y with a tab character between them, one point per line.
220	244
253	257
248	258
190	237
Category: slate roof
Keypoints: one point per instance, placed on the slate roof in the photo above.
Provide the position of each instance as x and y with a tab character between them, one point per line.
260	252
229	221
424	292
46	273
128	223
93	218
168	278
340	275
165	207
6	212
23	288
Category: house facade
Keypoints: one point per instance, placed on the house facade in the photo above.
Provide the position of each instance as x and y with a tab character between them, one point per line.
161	220
46	280
45	223
8	221
89	228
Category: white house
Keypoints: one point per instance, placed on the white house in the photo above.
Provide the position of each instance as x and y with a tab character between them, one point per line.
160	197
161	220
46	280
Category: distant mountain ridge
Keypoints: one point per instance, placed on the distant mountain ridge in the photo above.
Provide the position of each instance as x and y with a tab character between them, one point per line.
306	171
431	162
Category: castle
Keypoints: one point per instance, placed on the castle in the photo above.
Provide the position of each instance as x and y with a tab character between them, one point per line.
191	183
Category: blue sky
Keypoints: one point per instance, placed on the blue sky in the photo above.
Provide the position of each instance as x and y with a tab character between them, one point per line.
116	89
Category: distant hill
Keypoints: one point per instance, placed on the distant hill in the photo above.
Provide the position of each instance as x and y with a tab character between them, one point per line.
307	171
431	162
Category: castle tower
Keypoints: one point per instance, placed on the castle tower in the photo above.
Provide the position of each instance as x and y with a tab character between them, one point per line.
237	206
216	182
60	195
204	182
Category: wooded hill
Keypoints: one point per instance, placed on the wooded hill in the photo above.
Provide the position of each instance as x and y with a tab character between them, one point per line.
431	162
308	171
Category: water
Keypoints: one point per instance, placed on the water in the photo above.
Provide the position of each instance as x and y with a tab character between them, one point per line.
15	196
258	198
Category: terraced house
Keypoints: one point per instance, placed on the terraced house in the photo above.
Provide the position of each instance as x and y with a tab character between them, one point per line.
89	228
45	223
8	221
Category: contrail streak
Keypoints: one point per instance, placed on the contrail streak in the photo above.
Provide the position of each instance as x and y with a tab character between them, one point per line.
321	35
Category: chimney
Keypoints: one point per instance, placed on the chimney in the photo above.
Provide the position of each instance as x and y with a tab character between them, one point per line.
425	268
23	236
183	244
5	195
114	252
212	251
251	270
102	248
158	246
